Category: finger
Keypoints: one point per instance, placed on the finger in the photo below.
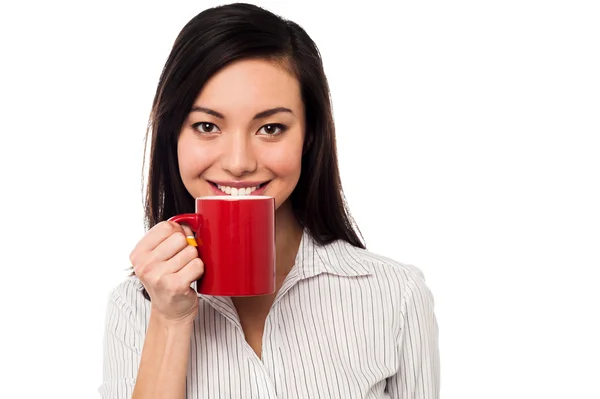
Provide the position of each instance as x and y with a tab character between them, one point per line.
156	236
187	229
189	233
181	281
182	258
192	271
168	248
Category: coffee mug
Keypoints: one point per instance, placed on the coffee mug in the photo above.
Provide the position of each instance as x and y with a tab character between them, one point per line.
236	242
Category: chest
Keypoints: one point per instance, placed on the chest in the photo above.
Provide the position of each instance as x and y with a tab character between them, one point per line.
323	343
253	331
252	313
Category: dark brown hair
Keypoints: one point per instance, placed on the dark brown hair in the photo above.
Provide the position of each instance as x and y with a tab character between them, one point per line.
208	42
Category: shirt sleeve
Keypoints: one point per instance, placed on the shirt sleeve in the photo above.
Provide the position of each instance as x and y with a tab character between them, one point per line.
418	376
122	346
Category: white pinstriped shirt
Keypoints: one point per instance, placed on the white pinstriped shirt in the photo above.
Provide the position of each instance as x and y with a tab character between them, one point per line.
346	323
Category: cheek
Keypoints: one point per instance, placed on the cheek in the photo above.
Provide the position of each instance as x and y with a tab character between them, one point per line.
284	163
192	159
284	159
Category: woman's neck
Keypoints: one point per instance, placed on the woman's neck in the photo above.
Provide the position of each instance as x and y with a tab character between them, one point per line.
288	234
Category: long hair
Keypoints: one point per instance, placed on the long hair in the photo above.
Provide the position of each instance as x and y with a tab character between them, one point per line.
211	40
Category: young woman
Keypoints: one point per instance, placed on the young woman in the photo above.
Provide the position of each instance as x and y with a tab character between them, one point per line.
242	103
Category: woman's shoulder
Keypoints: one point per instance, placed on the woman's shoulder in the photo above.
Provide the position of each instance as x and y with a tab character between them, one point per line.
128	293
400	280
377	261
378	264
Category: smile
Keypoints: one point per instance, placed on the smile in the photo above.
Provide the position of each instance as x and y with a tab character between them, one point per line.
238	188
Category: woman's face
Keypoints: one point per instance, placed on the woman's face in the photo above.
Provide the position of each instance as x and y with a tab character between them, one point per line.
245	133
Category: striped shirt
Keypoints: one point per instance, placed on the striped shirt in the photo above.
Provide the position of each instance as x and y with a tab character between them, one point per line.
346	323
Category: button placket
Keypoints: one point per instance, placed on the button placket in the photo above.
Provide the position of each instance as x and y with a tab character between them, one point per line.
224	306
270	347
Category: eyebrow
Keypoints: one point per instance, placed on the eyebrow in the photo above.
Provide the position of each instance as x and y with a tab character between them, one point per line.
260	115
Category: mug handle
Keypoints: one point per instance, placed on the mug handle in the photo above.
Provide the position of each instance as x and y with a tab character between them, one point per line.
193	219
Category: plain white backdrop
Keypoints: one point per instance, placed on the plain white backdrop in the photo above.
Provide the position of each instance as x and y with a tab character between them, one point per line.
469	146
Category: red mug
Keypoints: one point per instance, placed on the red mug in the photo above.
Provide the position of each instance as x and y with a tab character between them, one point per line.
236	242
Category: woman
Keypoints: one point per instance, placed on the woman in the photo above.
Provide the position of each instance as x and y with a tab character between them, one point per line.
243	98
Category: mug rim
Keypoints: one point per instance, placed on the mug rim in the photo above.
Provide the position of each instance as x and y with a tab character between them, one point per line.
233	197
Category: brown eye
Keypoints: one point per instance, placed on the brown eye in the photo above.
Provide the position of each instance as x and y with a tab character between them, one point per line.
272	129
206	127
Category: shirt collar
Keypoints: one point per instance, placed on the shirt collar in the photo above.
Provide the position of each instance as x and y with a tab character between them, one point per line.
338	257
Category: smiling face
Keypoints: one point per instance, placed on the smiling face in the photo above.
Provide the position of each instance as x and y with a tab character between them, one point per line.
245	133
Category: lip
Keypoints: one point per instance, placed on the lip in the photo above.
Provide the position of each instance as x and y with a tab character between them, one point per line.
258	191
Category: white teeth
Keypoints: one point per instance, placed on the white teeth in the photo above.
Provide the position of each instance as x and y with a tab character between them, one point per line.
237	191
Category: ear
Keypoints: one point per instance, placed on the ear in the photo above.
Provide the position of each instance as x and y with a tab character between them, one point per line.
308	141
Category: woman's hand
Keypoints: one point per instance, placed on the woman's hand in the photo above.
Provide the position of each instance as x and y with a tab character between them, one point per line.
167	265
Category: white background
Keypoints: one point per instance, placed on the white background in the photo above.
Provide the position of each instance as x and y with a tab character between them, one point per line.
469	146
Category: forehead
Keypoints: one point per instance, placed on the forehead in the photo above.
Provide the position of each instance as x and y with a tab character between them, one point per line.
251	84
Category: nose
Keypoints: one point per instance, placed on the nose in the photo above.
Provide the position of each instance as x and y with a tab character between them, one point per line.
238	157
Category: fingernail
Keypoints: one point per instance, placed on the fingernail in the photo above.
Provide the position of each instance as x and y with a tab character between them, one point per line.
191	241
